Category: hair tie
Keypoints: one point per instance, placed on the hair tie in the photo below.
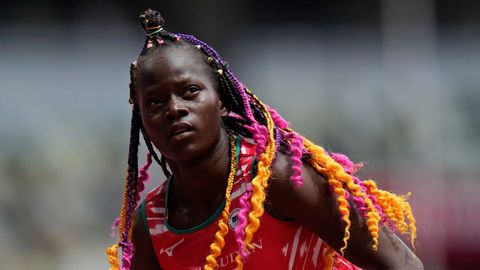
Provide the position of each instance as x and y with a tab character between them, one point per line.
154	27
159	28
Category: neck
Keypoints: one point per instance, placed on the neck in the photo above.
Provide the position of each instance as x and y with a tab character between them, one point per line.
203	182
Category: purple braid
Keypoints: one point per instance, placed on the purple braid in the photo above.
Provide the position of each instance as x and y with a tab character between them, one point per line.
241	90
209	50
132	178
237	84
296	146
260	132
130	208
278	142
127	246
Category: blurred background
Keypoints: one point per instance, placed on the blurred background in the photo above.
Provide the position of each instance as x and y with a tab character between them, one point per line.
393	84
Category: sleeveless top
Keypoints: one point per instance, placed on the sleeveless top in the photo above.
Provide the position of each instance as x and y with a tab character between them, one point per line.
278	244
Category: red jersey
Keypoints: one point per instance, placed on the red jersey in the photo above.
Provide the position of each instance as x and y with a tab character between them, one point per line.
278	244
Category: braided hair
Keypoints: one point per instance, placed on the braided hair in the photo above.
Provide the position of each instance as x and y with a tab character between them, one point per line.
250	117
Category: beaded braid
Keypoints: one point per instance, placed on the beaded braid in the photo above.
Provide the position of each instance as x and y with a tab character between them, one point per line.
269	131
129	201
219	242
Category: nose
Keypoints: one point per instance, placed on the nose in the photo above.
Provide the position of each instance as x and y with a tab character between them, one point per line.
176	108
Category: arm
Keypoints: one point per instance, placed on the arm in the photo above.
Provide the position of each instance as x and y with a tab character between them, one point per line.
314	206
144	256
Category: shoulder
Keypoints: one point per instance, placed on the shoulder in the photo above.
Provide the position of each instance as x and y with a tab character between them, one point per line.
314	184
144	256
311	204
156	192
287	198
314	206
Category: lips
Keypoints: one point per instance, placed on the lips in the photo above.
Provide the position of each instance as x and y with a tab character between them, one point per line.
178	129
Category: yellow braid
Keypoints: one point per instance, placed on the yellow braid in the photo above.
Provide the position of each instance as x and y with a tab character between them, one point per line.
411	219
238	260
337	177
328	258
382	200
112	253
124	208
318	155
396	208
341	200
219	242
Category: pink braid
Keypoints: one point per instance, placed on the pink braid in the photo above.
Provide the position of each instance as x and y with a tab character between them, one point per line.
277	119
260	136
242	221
143	176
296	146
127	254
245	99
142	179
114	227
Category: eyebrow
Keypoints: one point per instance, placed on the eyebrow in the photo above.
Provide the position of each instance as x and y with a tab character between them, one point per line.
181	79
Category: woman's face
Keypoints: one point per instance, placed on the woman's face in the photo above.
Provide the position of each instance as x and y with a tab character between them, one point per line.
179	104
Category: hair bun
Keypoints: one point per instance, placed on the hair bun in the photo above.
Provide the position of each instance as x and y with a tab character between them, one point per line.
151	21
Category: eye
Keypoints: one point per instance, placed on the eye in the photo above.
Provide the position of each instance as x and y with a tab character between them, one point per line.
153	102
191	91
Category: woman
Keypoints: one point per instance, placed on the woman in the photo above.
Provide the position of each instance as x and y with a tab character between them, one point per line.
228	158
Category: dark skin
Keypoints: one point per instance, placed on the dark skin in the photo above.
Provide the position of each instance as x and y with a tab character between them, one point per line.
179	87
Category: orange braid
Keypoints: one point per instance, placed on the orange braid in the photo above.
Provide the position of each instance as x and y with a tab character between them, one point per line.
336	178
124	208
112	253
396	208
341	200
328	257
238	260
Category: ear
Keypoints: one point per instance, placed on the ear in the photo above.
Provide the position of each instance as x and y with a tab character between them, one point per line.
224	110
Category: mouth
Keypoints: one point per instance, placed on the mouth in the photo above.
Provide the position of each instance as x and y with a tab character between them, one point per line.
178	129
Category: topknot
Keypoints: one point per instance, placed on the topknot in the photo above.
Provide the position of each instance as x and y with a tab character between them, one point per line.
151	21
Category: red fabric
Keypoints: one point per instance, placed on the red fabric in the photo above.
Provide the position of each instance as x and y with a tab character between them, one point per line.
279	244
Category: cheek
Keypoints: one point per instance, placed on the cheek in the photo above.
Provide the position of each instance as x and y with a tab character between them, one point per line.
153	127
214	113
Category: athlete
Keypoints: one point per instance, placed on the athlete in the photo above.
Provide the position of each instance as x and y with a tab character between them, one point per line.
244	190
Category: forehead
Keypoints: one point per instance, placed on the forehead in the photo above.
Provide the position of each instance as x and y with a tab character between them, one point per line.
172	62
